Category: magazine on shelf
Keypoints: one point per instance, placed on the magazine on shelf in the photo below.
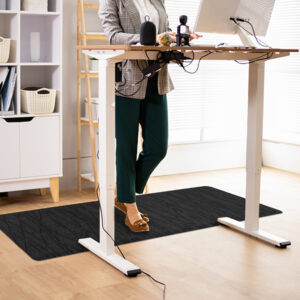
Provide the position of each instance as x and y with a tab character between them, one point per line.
3	74
7	86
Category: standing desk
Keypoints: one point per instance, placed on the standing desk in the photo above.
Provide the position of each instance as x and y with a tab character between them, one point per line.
108	56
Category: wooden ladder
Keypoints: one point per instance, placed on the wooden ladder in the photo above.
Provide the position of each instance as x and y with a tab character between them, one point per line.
82	38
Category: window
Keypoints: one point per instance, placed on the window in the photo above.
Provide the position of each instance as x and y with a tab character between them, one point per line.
211	105
282	85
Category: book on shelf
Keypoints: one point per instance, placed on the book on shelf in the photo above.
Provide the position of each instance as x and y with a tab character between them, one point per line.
7	85
3	74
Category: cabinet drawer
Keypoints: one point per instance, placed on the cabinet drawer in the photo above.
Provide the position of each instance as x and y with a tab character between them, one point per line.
40	147
9	150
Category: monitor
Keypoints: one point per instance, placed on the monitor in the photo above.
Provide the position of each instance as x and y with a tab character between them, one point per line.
214	17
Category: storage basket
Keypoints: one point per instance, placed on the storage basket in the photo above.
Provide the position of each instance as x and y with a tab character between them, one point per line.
4	49
35	100
35	5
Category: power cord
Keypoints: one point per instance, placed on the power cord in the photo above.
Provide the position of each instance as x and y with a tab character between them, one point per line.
133	84
265	56
209	52
178	57
260	42
165	57
162	58
145	76
102	225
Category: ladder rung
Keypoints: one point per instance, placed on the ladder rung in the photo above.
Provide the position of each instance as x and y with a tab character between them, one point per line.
95	33
85	121
90	5
95	37
90	74
87	177
93	100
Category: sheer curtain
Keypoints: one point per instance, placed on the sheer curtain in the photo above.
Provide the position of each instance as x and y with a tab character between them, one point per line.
282	86
211	105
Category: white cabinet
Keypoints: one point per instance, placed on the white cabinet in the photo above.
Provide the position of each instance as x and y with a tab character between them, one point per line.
9	150
31	144
30	147
39	147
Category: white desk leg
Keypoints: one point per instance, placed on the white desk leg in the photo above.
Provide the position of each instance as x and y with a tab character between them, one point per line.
254	158
106	171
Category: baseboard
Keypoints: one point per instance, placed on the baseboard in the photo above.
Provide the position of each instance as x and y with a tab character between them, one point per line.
281	156
201	157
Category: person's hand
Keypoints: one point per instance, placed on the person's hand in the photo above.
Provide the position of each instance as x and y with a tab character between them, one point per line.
194	35
170	33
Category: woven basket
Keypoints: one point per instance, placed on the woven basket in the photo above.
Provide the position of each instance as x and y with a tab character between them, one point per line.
35	5
36	100
4	49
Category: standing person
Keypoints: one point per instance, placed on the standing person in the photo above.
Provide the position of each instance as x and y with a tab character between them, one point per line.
144	103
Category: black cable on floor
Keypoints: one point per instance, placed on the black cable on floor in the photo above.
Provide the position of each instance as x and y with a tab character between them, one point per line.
102	225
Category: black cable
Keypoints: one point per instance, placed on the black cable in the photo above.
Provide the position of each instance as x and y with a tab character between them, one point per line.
139	82
207	54
102	225
147	55
260	42
101	216
263	44
132	94
137	61
192	60
179	61
121	85
131	85
265	56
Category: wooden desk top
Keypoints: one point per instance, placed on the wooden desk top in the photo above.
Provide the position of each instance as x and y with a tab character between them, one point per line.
183	48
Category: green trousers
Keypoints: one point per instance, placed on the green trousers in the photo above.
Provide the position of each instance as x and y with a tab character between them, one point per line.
152	113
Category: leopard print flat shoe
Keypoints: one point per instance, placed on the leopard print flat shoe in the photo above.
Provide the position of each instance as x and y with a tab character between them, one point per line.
138	226
122	208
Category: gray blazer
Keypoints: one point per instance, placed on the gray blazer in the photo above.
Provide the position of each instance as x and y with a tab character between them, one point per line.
121	23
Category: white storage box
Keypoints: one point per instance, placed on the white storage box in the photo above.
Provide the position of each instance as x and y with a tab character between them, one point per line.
4	49
94	102
93	65
35	5
36	100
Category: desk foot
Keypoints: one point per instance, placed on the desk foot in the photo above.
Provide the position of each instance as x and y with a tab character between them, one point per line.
260	234
115	260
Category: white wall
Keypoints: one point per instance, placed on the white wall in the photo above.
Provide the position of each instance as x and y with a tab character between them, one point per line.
69	180
281	156
180	158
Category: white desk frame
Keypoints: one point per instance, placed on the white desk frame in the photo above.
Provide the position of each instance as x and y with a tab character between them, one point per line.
106	167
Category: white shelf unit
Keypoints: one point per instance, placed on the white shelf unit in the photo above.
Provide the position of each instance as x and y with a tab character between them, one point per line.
31	155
